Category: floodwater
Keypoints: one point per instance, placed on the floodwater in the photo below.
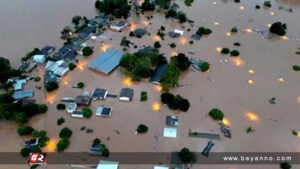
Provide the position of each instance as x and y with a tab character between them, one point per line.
241	89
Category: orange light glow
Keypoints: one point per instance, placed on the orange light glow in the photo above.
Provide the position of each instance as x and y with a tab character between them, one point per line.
284	37
132	26
183	41
269	25
250	82
238	61
249	30
174	53
242	8
298	99
156	38
156	106
218	49
82	64
51	145
146	23
252	116
216	23
272	13
65	80
226	122
104	47
127	82
250	71
158	88
280	79
228	34
51	98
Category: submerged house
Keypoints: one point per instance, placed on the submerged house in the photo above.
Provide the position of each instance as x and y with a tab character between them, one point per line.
158	73
107	165
31	143
77	114
97	149
23	94
106	62
103	111
99	94
27	67
172	121
118	26
59	68
39	58
47	50
83	100
140	32
126	94
18	84
65	53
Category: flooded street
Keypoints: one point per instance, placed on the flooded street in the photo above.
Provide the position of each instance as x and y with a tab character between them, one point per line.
242	86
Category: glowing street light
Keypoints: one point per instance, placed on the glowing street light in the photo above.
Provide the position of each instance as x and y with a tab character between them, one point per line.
251	82
156	106
218	49
251	116
250	71
216	23
249	30
242	8
127	82
226	122
280	79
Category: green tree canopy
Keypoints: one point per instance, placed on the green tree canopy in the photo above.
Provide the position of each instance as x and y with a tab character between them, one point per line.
186	156
216	114
65	133
117	8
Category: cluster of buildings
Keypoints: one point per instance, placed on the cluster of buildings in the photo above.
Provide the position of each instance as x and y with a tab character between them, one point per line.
126	94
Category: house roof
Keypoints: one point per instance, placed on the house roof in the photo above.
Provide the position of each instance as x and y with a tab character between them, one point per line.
77	112
160	167
31	143
23	94
51	77
173	34
107	165
47	50
65	52
99	93
83	100
107	61
158	73
19	84
28	101
195	37
39	58
146	49
140	32
172	120
127	92
103	111
170	132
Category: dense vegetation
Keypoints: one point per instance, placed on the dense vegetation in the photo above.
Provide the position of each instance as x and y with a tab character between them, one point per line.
63	143
6	71
186	156
51	86
175	102
181	16
144	96
203	31
216	114
87	51
278	28
87	112
30	54
204	66
141	65
188	2
117	8
142	129
296	68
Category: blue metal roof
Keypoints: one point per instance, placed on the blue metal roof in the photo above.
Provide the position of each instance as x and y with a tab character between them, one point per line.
158	73
23	94
107	62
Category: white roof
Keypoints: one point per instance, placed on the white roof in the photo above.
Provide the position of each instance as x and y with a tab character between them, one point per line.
39	58
19	84
160	167
107	165
179	31
170	132
61	71
56	67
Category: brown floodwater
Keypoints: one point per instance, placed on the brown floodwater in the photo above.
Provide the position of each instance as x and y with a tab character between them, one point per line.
241	90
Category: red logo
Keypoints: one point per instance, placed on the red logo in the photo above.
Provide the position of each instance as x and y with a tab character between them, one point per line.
37	158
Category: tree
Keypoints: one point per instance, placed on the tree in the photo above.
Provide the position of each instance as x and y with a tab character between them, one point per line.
203	31
172	45
25	152
188	2
165	4
268	4
42	108
60	121
76	20
181	61
27	130
117	8
171	13
36	150
234	53
278	28
296	68
170	77
147	6
216	114
37	79
51	86
225	51
167	98
144	96
186	156
6	71
62	144
65	133
60	106
285	165
80	85
184	105
142	129
21	118
181	17
72	66
157	45
204	66
96	141
237	44
87	51
87	112
105	152
234	30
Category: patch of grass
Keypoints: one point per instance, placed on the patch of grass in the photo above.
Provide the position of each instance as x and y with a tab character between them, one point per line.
296	68
237	44
249	130
144	96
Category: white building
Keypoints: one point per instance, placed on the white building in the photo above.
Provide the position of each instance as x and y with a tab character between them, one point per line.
39	58
181	32
77	114
107	165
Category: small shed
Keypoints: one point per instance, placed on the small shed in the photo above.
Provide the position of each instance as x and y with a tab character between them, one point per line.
180	32
140	32
172	120
170	132
107	165
126	94
23	94
71	107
